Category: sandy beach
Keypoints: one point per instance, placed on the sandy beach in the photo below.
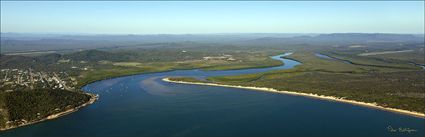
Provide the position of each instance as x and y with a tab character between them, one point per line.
330	98
57	115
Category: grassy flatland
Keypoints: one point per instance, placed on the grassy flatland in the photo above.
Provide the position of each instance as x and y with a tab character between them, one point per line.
416	56
127	64
372	61
384	52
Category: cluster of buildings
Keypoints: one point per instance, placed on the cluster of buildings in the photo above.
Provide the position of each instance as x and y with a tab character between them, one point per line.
11	79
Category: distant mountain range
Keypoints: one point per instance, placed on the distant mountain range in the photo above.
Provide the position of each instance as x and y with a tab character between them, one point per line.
337	38
25	42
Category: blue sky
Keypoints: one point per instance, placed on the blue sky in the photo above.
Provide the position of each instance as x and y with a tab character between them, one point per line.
167	17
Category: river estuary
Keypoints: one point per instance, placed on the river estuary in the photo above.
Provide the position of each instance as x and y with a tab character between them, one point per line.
144	105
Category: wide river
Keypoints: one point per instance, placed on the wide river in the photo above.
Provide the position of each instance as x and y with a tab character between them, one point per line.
144	105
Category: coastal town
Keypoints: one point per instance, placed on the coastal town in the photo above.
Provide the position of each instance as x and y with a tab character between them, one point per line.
16	79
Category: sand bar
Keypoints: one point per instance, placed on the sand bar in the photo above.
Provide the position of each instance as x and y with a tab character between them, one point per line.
331	98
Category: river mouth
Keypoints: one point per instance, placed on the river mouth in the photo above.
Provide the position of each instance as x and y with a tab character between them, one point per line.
144	105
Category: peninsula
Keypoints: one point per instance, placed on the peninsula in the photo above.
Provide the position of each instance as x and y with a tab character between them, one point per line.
330	98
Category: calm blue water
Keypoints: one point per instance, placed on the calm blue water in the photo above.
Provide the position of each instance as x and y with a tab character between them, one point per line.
323	56
144	105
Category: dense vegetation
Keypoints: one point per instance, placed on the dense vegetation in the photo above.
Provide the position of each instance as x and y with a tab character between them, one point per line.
40	103
398	90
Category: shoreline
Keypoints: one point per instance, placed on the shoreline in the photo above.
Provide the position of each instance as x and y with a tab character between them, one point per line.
92	99
316	96
95	97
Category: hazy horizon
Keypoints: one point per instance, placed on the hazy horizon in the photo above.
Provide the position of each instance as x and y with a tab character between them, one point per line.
217	33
